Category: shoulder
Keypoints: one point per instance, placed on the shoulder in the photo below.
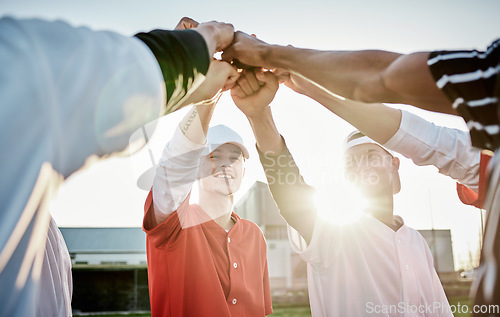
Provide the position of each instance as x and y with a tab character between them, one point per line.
249	225
250	228
415	236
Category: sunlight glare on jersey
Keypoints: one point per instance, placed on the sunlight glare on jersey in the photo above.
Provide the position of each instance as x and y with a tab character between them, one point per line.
342	206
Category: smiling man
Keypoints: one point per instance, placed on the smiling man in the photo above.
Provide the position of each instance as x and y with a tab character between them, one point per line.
376	266
203	259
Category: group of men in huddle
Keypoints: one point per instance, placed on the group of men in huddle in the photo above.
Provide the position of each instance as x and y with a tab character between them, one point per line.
203	259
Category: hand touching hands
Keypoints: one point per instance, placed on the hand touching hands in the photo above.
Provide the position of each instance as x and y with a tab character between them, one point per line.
252	94
186	23
254	91
247	49
217	35
221	76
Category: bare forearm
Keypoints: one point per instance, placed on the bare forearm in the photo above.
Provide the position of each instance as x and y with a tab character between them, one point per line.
367	76
266	134
377	121
195	124
339	71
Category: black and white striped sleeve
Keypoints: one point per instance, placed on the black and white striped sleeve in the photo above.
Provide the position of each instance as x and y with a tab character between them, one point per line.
470	80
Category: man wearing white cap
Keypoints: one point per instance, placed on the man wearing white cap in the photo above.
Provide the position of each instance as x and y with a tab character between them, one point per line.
203	259
376	266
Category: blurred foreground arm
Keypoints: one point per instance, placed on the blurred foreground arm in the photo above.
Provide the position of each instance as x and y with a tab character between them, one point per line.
68	94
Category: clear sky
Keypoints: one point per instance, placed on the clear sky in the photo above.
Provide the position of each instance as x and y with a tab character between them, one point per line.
106	194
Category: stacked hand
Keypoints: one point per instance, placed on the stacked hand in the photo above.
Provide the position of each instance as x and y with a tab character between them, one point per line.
217	35
296	83
254	91
221	75
236	46
248	50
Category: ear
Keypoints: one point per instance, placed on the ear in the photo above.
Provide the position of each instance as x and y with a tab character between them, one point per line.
396	182
395	164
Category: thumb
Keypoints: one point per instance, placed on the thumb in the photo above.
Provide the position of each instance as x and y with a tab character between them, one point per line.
228	54
230	81
282	75
268	79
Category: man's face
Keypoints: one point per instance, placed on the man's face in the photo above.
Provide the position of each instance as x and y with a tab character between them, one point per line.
222	170
371	168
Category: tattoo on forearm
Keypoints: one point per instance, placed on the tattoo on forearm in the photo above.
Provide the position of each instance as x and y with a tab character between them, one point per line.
189	121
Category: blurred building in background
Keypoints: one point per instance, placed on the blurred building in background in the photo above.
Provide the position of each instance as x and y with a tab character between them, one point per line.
109	269
439	242
286	269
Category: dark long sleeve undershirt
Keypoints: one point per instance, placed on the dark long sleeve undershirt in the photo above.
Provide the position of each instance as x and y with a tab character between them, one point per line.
181	55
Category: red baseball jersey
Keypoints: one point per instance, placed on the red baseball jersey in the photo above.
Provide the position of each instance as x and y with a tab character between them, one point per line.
196	268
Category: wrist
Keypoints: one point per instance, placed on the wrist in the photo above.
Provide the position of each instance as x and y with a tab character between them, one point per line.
276	56
210	35
259	116
266	134
323	98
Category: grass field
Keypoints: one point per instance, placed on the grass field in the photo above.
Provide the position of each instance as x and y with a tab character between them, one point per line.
300	311
459	302
279	311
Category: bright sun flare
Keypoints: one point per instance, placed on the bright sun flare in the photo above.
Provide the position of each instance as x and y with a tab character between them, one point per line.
340	206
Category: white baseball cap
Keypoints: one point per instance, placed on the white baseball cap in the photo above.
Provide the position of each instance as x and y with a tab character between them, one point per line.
358	138
220	135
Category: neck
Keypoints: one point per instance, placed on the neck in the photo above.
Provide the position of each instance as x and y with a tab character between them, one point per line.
218	207
381	207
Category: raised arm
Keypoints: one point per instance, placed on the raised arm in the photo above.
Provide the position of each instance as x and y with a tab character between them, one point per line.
252	95
178	167
368	76
450	150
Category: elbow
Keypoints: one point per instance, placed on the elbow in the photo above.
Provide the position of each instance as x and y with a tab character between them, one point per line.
366	92
374	90
360	95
